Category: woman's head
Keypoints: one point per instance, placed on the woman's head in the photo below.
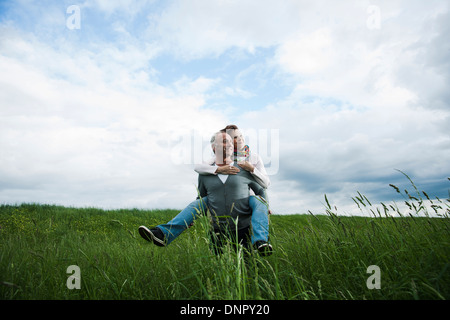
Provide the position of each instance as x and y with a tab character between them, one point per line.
236	135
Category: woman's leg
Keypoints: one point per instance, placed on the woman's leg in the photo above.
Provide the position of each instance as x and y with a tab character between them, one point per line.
260	219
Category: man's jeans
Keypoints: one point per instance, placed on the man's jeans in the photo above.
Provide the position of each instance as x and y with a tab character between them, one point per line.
260	219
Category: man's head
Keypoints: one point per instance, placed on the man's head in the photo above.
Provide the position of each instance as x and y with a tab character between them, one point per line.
236	135
222	145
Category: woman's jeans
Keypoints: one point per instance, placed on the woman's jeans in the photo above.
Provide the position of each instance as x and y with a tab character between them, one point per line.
260	219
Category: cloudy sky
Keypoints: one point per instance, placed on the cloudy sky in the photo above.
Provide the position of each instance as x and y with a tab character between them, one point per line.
109	103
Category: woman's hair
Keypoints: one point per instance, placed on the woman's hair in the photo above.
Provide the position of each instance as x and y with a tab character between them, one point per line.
224	130
230	127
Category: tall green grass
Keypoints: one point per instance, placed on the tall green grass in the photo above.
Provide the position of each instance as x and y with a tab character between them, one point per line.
316	256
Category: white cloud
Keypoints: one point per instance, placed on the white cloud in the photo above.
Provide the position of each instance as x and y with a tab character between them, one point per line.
326	149
109	7
195	29
306	54
93	128
87	122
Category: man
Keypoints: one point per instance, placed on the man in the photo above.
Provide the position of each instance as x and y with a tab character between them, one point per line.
227	196
251	162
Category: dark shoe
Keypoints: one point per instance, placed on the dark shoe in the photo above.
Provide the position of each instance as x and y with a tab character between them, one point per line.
154	235
264	248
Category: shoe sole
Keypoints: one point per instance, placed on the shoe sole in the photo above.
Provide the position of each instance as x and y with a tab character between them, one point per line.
265	249
149	236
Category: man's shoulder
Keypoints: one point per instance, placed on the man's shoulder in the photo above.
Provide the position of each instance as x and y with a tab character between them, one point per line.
244	174
207	177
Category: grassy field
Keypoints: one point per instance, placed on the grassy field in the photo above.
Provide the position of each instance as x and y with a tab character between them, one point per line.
316	256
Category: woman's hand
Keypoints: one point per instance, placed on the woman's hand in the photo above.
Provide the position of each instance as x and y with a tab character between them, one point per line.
246	166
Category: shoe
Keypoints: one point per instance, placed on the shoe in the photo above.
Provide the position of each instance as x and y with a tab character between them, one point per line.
264	248
154	235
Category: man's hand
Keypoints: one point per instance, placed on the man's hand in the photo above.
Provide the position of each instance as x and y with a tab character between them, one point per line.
246	166
227	170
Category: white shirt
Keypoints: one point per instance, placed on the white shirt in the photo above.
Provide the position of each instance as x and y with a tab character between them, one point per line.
223	177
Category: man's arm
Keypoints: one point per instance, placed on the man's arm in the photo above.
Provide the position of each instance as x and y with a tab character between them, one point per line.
202	192
258	190
261	192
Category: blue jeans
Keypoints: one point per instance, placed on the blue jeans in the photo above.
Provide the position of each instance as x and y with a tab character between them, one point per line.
260	219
